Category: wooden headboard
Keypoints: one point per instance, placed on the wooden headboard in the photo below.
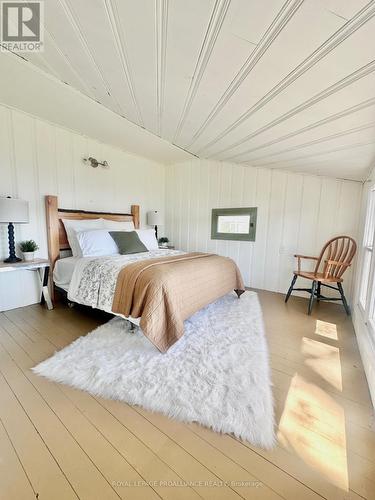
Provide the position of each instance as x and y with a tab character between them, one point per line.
56	234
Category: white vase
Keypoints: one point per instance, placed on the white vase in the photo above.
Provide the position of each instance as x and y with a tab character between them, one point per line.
28	256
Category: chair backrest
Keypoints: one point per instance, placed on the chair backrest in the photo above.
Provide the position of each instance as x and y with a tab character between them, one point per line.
336	256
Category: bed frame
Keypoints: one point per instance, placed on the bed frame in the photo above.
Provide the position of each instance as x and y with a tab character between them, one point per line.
56	235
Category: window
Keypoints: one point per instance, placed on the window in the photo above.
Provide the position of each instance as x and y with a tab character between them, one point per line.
367	282
233	224
238	224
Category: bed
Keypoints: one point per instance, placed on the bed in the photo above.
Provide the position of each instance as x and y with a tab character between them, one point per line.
157	289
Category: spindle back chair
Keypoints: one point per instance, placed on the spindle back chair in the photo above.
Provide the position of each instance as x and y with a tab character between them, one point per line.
334	259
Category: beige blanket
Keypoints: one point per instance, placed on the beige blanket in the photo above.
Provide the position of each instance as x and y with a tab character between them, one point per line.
166	291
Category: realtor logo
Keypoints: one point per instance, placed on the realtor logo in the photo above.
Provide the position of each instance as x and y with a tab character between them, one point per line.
22	26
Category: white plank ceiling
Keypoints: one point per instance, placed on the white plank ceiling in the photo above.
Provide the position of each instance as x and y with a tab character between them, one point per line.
272	83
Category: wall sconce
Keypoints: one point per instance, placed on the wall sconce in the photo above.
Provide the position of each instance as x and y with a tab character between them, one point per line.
94	163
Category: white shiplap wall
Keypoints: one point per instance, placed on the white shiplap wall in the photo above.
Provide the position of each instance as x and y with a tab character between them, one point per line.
297	213
38	158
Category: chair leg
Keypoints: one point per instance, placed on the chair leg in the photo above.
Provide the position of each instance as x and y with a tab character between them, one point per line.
291	288
343	298
312	294
319	292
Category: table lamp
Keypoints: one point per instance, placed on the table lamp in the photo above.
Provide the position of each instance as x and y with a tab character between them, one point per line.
13	211
155	218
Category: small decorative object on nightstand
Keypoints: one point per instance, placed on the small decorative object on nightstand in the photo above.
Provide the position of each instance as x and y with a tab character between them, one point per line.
13	211
28	249
163	242
39	265
167	247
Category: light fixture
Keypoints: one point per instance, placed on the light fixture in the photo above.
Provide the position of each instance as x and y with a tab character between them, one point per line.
155	218
94	163
13	211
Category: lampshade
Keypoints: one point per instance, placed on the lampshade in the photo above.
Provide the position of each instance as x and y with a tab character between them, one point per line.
14	210
155	218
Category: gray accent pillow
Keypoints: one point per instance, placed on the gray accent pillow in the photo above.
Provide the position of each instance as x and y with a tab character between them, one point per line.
128	242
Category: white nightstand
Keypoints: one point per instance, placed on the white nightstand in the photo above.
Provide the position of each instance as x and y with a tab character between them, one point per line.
41	266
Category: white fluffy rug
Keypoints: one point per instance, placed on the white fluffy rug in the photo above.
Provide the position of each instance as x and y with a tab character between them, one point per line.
217	374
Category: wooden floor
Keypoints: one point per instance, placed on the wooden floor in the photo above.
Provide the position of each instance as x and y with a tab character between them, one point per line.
60	443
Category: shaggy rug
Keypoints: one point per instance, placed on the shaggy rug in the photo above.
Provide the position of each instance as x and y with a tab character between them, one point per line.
217	375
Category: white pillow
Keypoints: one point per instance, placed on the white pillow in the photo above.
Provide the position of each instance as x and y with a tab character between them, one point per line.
114	225
74	226
96	243
148	238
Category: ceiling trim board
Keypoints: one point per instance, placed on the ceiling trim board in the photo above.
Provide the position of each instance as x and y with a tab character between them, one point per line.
39	56
319	123
69	64
284	16
111	9
60	104
332	89
161	32
338	15
302	173
361	18
78	30
314	155
214	26
321	140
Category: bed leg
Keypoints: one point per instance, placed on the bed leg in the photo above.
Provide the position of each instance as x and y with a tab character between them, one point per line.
132	326
239	292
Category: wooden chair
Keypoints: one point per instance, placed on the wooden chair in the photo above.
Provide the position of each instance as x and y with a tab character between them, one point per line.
335	257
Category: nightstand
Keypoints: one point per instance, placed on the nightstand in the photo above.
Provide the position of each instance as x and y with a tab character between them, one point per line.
41	266
169	247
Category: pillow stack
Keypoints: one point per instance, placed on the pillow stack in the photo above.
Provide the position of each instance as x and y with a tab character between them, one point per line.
99	237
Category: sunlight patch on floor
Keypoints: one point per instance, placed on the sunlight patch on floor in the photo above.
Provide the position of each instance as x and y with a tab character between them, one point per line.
312	425
325	329
324	360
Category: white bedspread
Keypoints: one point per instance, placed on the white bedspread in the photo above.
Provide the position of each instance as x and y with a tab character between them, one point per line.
94	279
63	271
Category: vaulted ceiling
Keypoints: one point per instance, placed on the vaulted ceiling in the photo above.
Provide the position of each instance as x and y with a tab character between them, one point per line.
277	83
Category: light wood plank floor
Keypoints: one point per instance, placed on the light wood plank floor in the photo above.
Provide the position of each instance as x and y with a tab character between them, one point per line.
60	443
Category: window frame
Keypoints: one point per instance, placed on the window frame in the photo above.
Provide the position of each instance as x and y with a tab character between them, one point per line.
249	236
368	242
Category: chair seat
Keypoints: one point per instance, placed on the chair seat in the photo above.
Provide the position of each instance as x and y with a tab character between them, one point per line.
318	277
